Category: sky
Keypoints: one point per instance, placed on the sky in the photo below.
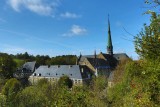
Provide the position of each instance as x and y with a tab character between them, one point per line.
68	27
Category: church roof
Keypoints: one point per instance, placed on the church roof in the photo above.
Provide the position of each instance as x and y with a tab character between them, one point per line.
120	56
98	63
72	71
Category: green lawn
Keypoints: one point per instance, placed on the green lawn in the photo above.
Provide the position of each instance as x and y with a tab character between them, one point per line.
19	62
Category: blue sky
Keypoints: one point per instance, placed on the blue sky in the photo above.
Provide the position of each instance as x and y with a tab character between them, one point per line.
58	27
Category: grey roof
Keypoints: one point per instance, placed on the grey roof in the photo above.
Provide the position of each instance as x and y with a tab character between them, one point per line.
29	66
89	56
120	56
98	63
72	71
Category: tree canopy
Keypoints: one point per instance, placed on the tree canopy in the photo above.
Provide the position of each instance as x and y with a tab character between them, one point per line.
7	65
147	42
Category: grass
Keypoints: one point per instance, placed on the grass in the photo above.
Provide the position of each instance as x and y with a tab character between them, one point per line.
19	62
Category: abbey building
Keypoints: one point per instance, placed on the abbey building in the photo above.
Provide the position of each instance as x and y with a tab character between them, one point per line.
86	66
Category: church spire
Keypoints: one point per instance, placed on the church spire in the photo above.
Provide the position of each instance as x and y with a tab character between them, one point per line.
109	46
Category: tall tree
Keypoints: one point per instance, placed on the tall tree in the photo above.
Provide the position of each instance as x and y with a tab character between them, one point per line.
147	42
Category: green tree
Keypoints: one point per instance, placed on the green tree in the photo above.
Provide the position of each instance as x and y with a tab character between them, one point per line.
7	66
2	100
65	81
147	42
10	90
31	97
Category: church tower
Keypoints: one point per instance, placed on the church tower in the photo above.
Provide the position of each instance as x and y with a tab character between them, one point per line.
109	46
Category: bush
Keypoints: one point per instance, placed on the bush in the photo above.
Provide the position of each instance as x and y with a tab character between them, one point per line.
2	100
31	97
65	81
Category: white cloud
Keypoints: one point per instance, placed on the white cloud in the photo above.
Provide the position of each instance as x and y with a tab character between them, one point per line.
41	7
75	31
15	4
69	15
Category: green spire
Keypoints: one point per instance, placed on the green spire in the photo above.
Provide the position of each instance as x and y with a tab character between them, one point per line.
109	47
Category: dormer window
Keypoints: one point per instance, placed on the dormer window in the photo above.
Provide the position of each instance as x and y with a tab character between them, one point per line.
34	74
39	74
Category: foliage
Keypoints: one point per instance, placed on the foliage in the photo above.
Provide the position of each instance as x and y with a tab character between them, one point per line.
10	90
7	65
147	42
140	86
99	83
2	100
119	71
42	82
65	81
64	59
19	62
45	59
2	82
31	97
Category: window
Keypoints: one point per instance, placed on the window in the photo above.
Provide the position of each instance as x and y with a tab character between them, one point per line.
75	81
39	74
34	74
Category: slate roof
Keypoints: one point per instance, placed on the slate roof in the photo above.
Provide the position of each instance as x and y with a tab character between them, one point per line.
119	56
29	66
98	63
27	69
72	71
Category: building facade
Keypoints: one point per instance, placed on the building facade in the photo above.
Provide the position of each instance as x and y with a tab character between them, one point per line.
77	73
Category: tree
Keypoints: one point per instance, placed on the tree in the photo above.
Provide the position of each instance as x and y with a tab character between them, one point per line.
147	42
31	97
10	90
119	71
65	81
2	100
7	66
